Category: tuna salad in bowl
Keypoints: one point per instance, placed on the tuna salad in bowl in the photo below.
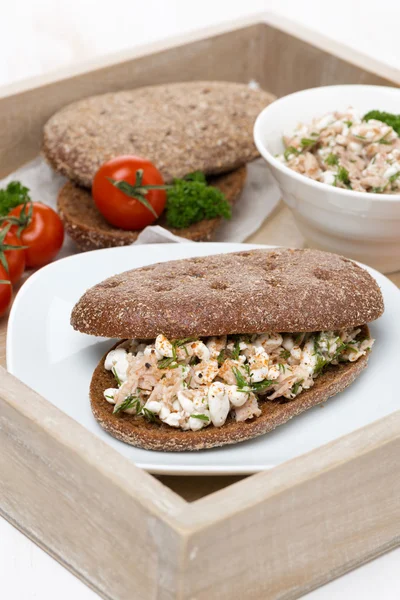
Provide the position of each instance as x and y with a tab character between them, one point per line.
335	154
348	150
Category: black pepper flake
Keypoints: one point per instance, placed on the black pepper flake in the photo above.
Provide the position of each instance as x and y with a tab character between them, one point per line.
147	365
200	375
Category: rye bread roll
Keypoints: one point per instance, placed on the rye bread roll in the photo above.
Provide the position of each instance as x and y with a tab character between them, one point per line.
244	292
159	436
90	230
181	127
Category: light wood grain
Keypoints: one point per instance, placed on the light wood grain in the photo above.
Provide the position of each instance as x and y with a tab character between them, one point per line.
273	535
301	524
84	503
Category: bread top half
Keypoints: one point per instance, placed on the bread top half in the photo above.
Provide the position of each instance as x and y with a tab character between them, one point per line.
181	127
253	291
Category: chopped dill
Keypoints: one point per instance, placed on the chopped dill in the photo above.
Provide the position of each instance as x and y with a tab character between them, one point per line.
343	176
129	402
289	151
240	379
147	414
248	386
320	365
332	159
307	142
117	379
296	386
221	357
236	350
200	416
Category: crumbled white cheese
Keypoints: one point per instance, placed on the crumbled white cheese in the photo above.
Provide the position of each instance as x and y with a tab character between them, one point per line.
346	152
193	384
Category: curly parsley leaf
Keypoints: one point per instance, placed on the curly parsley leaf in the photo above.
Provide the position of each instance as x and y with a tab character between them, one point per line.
13	195
191	200
389	118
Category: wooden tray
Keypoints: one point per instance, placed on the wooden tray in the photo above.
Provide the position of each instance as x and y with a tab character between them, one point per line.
126	533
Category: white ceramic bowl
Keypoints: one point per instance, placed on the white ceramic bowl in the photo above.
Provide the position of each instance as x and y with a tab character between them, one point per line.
360	225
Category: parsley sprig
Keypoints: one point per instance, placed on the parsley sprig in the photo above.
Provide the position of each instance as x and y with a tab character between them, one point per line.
191	200
13	195
389	118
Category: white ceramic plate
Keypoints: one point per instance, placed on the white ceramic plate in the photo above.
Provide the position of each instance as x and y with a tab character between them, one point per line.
48	355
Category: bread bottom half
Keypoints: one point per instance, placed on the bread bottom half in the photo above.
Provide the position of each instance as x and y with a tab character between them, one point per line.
159	436
90	231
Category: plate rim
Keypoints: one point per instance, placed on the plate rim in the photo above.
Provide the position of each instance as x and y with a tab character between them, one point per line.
155	468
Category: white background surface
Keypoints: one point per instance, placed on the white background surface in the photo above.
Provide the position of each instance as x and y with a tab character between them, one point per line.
38	37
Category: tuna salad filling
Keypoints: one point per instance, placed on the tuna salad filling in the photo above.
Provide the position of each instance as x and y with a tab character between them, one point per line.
194	383
343	150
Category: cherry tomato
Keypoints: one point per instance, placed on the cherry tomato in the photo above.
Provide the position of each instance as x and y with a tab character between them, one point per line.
127	206
43	234
14	259
5	291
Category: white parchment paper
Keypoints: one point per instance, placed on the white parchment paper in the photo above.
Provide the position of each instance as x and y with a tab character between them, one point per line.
258	200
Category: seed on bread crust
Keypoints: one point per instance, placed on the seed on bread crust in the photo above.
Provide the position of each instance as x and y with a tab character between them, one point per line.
90	231
244	292
181	127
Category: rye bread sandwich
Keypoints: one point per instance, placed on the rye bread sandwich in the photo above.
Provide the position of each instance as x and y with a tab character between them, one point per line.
220	349
201	126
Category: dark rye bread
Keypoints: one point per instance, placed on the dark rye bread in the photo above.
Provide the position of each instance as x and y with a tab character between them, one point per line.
244	292
158	436
90	231
181	127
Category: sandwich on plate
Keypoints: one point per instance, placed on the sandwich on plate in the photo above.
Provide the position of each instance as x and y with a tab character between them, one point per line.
220	349
201	128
